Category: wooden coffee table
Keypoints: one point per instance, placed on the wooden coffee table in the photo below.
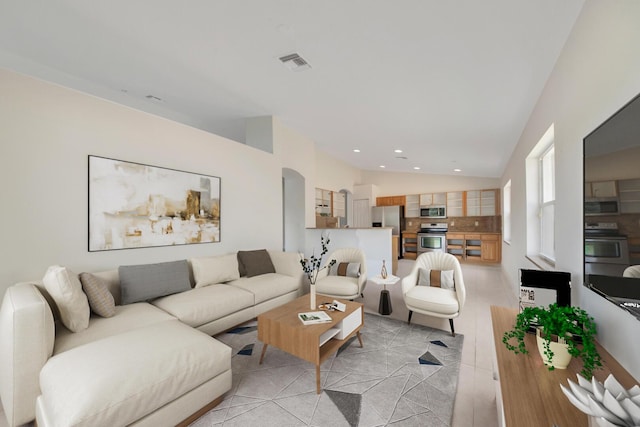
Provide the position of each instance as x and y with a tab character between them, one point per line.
281	328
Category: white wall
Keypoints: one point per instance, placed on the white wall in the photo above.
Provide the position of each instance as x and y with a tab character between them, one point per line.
597	73
46	134
334	174
394	183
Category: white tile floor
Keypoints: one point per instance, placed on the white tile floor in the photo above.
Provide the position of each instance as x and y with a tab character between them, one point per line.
475	401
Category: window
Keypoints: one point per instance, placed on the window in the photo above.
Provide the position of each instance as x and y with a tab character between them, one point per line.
506	212
547	203
540	196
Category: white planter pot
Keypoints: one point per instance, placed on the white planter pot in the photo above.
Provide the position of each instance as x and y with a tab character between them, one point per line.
561	356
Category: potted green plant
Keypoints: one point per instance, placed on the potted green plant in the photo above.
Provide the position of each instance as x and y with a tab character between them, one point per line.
554	323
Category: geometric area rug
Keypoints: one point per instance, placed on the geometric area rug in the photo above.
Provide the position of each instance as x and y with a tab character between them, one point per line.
406	375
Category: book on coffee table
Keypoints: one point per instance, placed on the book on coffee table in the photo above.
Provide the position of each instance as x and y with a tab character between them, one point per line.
314	317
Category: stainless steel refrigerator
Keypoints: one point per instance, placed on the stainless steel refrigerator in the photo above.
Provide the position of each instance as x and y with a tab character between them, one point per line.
389	216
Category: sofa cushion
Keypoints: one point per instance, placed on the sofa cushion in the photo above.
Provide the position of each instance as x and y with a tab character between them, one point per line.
338	285
203	305
66	290
429	298
267	286
126	318
215	269
100	299
255	263
148	281
118	380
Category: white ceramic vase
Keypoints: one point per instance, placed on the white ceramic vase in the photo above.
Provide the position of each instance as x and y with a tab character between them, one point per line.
561	355
312	296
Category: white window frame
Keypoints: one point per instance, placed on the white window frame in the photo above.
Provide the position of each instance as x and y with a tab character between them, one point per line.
506	212
535	221
547	200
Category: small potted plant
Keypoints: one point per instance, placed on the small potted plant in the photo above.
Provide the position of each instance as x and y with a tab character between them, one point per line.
557	328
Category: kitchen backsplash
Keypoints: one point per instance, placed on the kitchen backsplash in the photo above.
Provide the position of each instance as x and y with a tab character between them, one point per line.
486	224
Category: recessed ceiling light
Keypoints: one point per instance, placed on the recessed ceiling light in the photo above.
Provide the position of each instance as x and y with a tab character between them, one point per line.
355	150
382	166
397	151
457	170
417	168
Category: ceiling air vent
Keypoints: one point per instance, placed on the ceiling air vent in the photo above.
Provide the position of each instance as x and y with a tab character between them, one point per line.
295	62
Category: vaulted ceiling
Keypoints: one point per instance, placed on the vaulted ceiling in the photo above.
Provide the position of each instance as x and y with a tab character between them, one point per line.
450	83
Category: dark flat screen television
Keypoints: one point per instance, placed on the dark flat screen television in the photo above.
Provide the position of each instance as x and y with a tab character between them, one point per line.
612	238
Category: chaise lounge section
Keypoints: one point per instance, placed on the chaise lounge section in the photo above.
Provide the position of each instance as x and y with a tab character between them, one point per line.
152	362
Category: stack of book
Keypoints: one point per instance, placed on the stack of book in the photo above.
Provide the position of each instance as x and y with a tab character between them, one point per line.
314	317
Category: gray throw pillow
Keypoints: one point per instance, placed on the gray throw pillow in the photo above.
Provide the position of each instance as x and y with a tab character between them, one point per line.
255	263
100	299
148	281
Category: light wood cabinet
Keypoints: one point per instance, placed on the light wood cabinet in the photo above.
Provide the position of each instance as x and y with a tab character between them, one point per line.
479	247
412	206
395	247
482	202
601	189
391	201
455	206
410	245
433	199
629	191
324	205
490	248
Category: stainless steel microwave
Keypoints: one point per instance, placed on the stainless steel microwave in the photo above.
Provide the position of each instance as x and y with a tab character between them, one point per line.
433	212
608	206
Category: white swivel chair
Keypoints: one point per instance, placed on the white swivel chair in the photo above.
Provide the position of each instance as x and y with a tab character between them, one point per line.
344	287
632	271
431	300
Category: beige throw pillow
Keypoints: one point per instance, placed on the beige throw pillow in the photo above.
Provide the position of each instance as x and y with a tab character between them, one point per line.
215	269
436	278
100	299
66	290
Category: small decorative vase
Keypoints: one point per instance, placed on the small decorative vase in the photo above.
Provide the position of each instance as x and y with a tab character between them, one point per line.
383	272
561	355
312	295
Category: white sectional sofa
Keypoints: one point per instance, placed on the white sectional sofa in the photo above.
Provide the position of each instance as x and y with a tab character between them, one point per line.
151	363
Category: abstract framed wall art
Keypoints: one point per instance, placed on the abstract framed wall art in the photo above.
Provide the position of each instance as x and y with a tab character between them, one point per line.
132	205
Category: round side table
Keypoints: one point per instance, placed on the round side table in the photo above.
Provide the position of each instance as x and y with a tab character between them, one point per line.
384	307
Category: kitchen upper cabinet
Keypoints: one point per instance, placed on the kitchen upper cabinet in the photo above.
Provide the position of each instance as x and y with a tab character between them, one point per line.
454	204
482	202
601	189
433	199
390	201
629	190
338	204
412	206
324	202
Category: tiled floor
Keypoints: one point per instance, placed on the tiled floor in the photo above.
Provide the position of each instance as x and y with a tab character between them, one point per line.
475	400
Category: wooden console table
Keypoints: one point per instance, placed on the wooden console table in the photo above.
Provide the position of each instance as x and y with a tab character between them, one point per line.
530	393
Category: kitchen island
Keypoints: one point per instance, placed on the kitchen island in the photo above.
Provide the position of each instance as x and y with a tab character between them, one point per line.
375	242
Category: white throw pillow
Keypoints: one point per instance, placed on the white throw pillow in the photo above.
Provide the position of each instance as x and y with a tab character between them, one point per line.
349	269
215	269
438	278
66	290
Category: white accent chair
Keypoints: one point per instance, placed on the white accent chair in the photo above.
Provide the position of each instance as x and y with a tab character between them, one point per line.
632	271
434	301
342	286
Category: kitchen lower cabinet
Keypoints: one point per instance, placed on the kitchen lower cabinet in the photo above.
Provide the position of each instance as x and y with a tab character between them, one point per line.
475	247
409	245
